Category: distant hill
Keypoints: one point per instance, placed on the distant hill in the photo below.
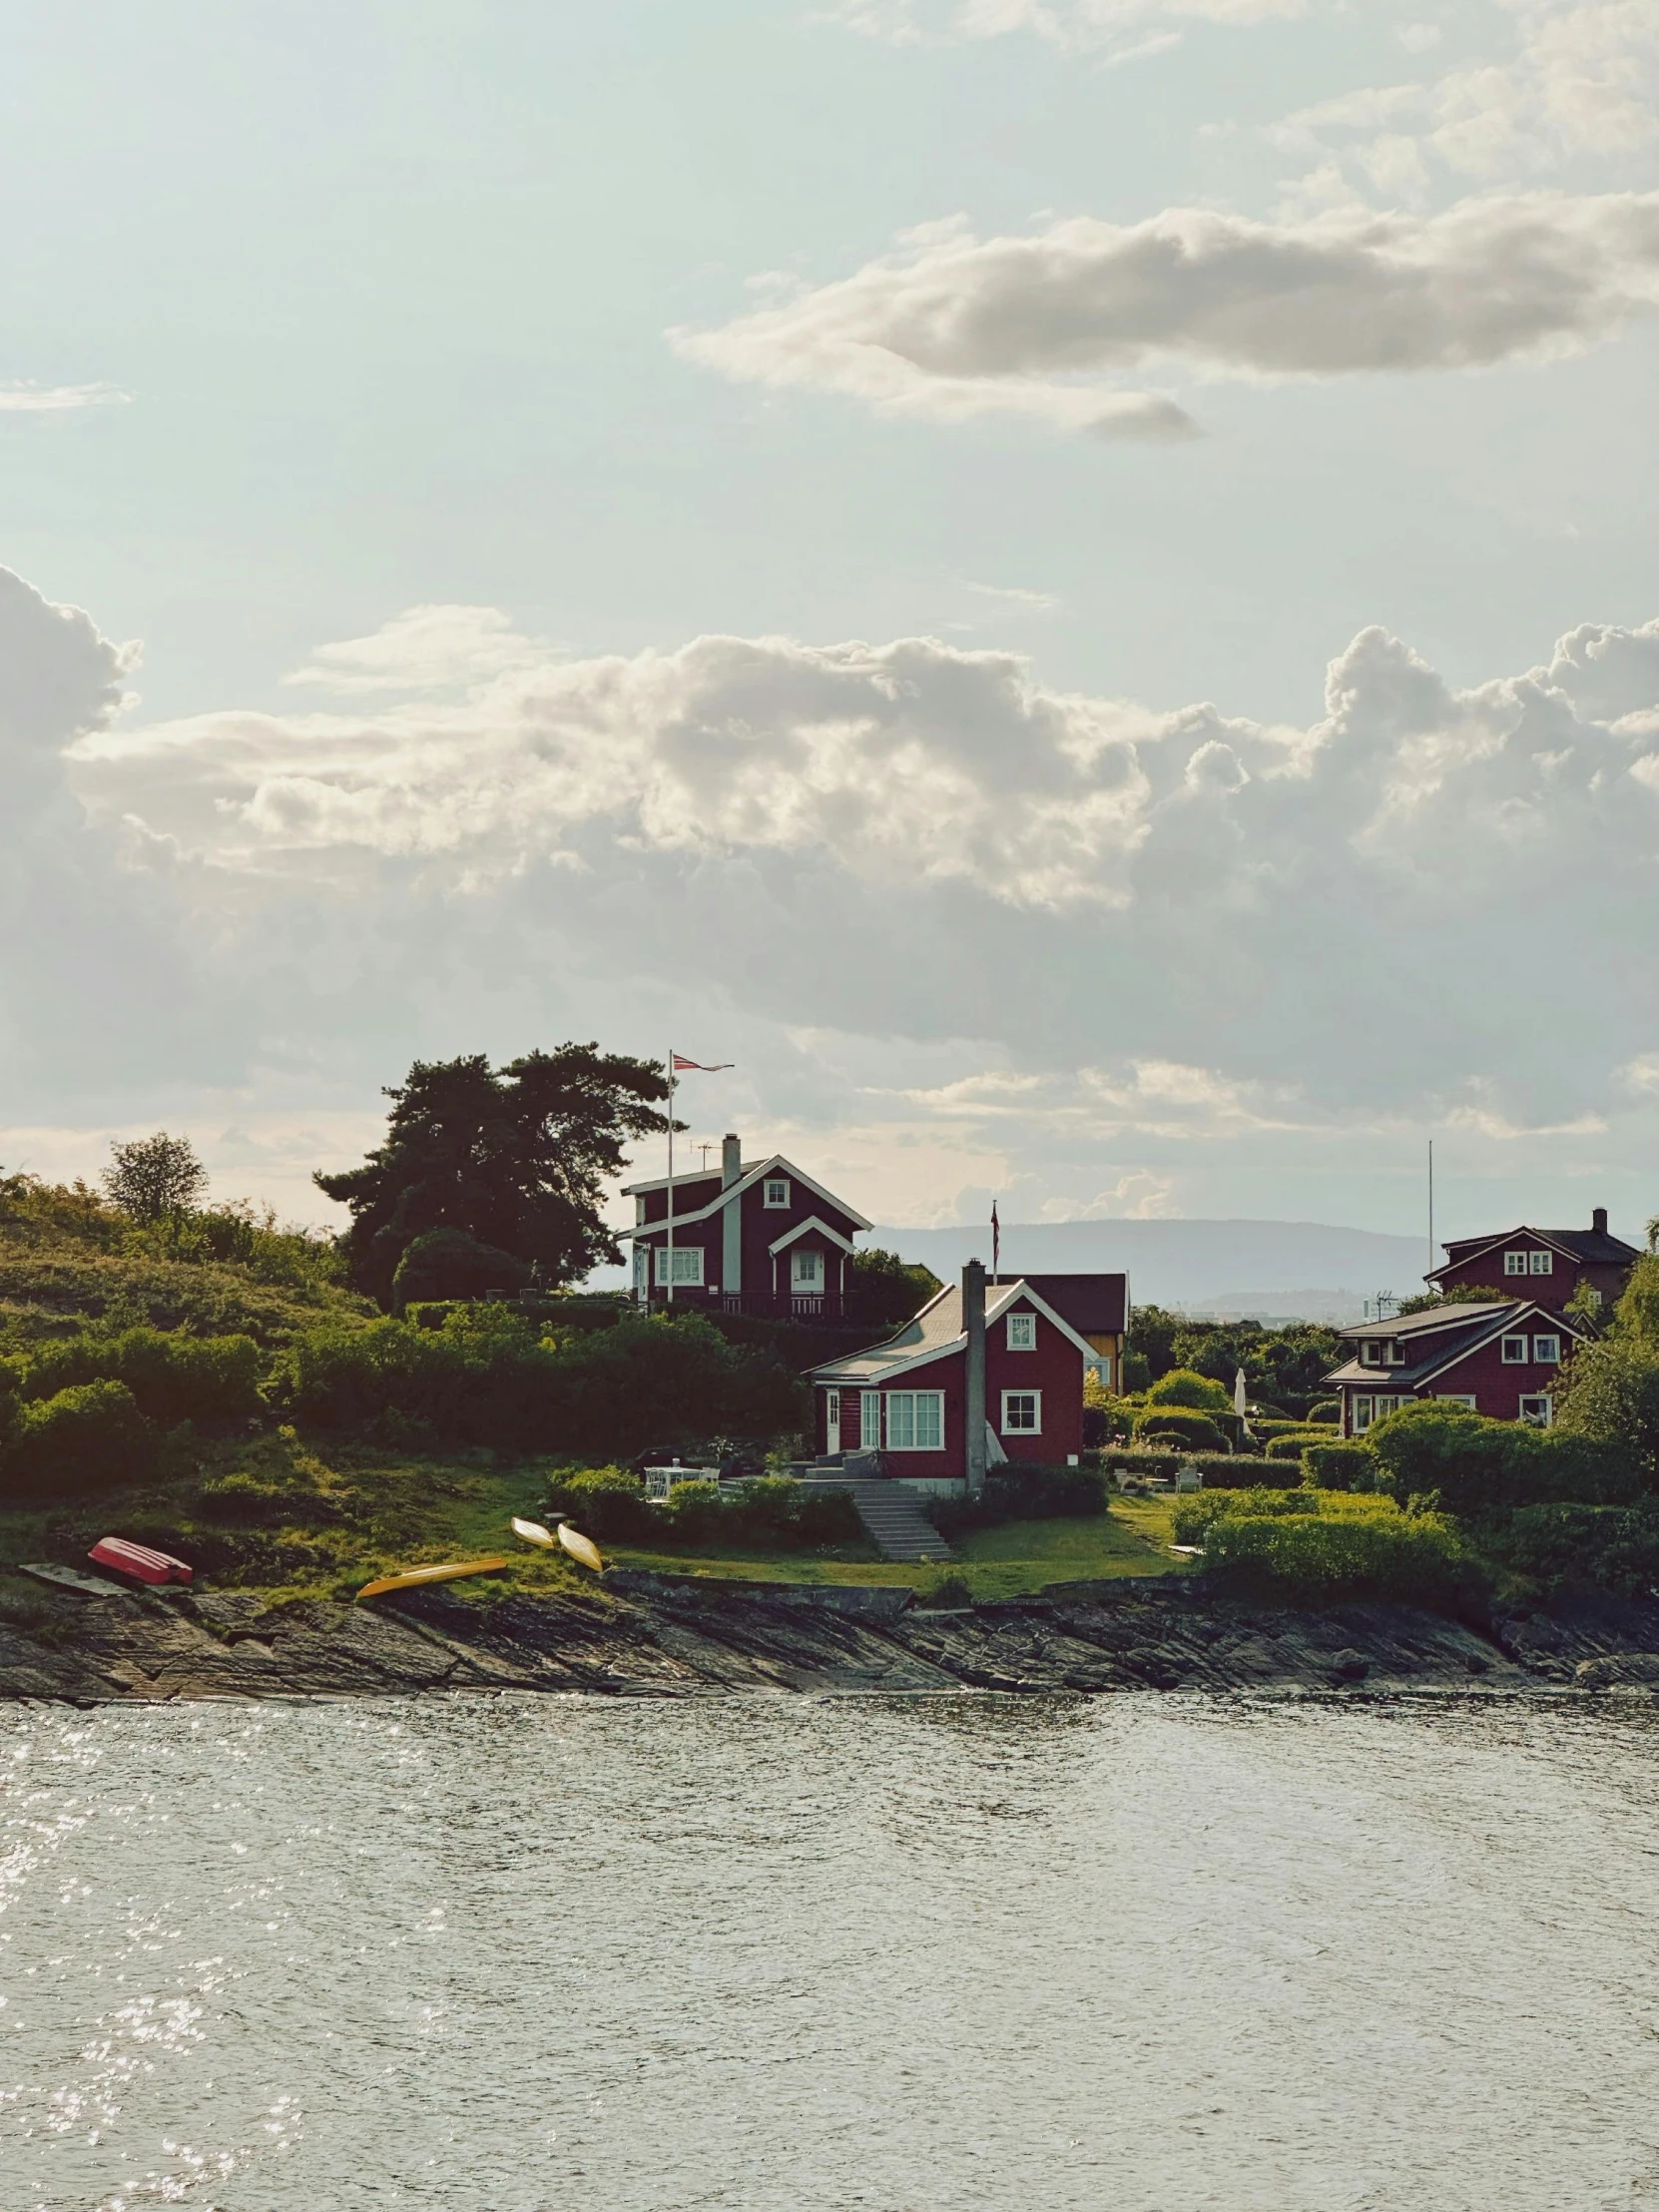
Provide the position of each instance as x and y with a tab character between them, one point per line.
1302	1268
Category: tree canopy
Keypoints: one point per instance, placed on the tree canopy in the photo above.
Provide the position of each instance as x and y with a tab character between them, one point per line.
151	1179
515	1157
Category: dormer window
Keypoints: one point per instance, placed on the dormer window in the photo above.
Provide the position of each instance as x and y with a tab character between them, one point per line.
1022	1331
1528	1262
1371	1353
777	1191
1393	1352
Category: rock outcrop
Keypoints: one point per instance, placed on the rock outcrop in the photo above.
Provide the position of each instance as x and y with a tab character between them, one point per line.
646	1635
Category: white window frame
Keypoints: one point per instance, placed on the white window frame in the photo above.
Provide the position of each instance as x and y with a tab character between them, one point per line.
1546	1352
915	1420
1360	1412
1022	1331
1008	1427
641	1266
1456	1398
1099	1365
800	1284
870	1404
1540	1262
687	1267
781	1185
1515	1263
832	1418
1509	1357
1394	1352
1537	1397
1371	1352
639	1212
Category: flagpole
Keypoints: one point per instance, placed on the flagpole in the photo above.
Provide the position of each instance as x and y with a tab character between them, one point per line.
670	1261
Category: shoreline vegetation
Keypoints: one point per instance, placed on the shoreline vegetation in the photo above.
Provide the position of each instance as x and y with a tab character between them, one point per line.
218	1386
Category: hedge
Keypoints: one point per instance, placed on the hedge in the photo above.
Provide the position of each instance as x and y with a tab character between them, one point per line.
1186	1388
769	1512
1307	1560
1609	1547
1339	1467
1197	1431
1293	1442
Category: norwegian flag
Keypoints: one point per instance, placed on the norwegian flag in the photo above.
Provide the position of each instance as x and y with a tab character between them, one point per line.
678	1060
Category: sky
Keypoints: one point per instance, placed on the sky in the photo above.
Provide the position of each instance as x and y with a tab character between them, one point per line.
1070	584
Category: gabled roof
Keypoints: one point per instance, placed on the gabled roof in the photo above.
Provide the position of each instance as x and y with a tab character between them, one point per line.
800	1230
1097	1304
1589	1247
937	1331
1443	1337
776	1165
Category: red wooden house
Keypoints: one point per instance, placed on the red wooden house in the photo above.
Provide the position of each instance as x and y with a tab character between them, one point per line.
1545	1264
1005	1345
1499	1358
755	1237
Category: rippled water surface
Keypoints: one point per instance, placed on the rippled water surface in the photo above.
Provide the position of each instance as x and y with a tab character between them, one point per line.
1148	1954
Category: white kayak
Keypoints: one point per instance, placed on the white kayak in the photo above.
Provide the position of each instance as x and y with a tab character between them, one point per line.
581	1548
533	1533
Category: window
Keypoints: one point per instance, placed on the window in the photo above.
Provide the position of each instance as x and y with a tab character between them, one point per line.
639	1211
688	1262
1514	1351
1100	1367
1538	1411
642	1261
1022	1331
777	1190
1393	1352
1022	1413
1361	1409
1515	1263
807	1273
869	1420
833	1418
915	1420
1368	1410
1371	1353
1546	1351
1540	1262
1450	1398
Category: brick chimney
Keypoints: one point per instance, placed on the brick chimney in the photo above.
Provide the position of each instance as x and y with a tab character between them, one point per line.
1598	1220
731	1161
973	1411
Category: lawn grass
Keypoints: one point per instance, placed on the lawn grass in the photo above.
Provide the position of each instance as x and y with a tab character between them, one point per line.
355	1511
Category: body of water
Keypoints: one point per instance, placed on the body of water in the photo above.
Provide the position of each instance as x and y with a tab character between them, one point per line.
1152	1954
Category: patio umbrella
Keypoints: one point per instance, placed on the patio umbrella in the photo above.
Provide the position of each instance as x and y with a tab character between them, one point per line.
1241	1396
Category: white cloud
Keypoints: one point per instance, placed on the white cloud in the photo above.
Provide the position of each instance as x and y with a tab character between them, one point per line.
28	398
1580	82
951	326
423	649
1069	24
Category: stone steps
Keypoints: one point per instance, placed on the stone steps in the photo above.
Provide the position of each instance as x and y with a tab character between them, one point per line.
892	1518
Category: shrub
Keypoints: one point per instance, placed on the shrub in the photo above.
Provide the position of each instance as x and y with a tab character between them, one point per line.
1183	1386
607	1503
208	1379
1020	1491
447	1262
1293	1442
87	1437
1308	1558
1265	1428
1219	1471
1196	1430
1608	1547
1481	1467
945	1589
1339	1466
1326	1410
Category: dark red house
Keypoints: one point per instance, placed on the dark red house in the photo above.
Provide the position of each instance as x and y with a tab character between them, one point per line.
909	1397
1546	1264
1499	1358
754	1237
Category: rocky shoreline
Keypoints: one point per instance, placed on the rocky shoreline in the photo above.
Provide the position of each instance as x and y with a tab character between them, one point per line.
643	1635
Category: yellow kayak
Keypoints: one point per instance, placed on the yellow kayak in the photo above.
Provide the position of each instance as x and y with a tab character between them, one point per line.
581	1548
414	1578
534	1532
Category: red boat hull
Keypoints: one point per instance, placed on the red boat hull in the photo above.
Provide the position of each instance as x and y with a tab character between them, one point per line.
138	1560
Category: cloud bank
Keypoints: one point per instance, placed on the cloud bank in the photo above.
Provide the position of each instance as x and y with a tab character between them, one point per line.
1069	24
951	326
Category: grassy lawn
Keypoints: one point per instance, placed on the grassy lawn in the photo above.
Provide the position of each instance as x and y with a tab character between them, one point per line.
351	1511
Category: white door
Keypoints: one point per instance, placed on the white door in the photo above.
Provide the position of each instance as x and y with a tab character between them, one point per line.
807	1273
